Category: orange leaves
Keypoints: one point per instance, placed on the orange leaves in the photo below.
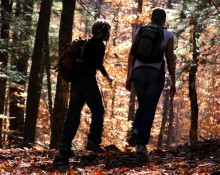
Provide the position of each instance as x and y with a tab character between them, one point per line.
21	161
202	160
71	172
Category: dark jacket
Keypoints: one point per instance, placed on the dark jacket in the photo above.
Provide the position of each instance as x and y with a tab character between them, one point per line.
93	56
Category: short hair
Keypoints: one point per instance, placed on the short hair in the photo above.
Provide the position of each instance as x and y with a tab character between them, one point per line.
158	15
99	26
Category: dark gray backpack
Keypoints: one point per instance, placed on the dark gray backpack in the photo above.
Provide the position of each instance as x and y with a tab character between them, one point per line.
147	45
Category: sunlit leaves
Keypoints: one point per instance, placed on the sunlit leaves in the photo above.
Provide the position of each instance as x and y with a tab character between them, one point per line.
203	159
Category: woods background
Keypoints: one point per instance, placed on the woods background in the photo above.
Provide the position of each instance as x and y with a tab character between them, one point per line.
34	99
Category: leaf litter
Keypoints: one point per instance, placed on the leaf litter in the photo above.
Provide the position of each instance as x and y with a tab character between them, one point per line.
202	159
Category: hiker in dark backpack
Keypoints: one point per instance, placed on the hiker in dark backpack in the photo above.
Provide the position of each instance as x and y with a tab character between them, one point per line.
146	72
86	90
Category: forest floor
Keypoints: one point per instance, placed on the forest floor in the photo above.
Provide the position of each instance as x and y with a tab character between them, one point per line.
182	160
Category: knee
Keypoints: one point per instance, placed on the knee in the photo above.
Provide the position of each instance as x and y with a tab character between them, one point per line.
101	111
72	118
98	112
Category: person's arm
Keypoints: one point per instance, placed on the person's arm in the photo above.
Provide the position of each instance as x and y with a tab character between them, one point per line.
130	65
171	65
104	73
100	66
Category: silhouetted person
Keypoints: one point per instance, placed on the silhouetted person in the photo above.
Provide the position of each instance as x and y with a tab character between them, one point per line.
148	82
86	90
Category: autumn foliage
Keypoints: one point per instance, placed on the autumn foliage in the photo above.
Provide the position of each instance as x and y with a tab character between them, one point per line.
195	26
203	159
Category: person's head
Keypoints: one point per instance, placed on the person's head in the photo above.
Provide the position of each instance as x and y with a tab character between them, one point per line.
158	16
101	29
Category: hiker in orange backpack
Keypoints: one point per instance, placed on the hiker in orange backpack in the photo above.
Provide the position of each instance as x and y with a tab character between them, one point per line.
85	90
146	73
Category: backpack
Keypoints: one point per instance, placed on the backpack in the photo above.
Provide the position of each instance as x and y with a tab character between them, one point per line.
70	62
147	45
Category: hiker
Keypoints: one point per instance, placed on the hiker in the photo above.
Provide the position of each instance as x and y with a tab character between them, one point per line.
86	90
148	82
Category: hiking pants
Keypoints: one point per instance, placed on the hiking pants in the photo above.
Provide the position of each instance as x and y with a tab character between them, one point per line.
83	91
148	84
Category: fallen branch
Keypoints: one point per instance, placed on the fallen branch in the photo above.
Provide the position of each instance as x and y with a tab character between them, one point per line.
21	139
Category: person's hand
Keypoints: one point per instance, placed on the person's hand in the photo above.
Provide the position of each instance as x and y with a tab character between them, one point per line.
172	90
128	85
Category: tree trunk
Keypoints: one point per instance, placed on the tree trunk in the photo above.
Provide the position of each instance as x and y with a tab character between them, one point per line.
22	64
2	101
47	68
166	102
16	110
13	88
140	6
131	111
19	62
33	86
16	104
192	89
62	88
170	126
115	24
177	126
117	7
6	7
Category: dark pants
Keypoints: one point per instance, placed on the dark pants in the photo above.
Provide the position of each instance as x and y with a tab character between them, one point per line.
148	83
83	91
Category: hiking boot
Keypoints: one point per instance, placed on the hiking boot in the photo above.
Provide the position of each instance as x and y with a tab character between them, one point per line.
94	147
132	137
141	149
63	157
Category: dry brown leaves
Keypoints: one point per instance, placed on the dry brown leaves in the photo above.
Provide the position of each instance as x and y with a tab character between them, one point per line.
183	160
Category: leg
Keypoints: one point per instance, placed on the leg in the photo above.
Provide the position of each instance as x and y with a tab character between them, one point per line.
93	99
70	126
139	83
72	119
148	84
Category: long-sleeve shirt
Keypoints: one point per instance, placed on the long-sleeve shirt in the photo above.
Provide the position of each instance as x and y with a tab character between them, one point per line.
93	56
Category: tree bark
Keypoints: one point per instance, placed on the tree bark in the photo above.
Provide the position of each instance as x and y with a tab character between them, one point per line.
16	110
19	60
47	68
22	63
33	86
170	126
13	88
166	102
131	111
6	8
192	88
62	88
